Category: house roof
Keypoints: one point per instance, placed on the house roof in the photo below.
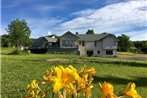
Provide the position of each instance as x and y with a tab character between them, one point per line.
69	33
51	39
92	37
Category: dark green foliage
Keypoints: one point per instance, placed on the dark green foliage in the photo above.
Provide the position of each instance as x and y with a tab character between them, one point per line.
5	41
141	45
21	52
90	31
19	32
124	43
105	33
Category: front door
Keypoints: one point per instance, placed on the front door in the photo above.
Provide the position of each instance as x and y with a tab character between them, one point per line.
89	53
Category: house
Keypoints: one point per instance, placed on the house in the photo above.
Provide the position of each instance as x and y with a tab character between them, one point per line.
42	44
97	44
69	40
104	44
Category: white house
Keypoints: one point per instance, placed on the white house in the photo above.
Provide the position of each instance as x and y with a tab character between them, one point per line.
104	44
90	44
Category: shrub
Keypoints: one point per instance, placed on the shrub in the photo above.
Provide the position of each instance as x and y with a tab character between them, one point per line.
19	52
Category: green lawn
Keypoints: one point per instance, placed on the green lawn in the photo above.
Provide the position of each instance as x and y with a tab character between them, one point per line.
19	70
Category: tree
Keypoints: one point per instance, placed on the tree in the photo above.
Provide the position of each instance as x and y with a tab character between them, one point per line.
19	32
5	40
141	45
124	42
90	31
105	33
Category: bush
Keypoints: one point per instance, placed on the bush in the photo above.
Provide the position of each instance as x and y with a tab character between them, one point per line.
20	52
144	50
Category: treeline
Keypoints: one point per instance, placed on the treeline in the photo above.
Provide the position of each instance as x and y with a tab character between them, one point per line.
126	45
141	45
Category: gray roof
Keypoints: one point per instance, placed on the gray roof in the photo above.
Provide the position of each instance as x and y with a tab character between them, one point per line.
51	39
92	37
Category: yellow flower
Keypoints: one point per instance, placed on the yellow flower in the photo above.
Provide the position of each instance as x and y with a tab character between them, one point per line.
107	90
34	89
81	82
91	71
63	77
71	88
130	91
33	85
87	89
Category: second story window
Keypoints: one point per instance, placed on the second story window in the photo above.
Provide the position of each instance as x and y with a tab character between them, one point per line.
68	42
115	43
64	42
83	43
80	42
95	43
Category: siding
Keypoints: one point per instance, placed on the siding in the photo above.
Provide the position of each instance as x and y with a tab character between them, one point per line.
68	37
109	43
102	46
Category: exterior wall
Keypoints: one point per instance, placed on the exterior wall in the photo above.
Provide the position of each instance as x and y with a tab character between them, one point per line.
81	49
109	42
89	45
68	37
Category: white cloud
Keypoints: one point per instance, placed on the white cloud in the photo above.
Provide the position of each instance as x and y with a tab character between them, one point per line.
120	14
40	27
118	17
137	35
84	12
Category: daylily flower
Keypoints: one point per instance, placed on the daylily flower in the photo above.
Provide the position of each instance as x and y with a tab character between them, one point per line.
107	90
91	71
33	85
63	78
87	89
131	91
34	90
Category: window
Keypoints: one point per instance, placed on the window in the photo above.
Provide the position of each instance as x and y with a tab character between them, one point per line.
63	42
68	42
83	44
80	42
95	43
115	43
109	52
98	52
89	53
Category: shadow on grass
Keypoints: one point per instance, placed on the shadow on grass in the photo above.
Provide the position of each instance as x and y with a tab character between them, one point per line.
124	63
139	81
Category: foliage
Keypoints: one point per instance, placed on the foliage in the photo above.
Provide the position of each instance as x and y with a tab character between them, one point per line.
124	42
19	52
19	32
141	45
90	31
5	40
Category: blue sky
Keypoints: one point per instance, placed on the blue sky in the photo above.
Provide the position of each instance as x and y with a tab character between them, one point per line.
58	16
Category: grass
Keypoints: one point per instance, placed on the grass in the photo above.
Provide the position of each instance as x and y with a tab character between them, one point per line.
19	70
